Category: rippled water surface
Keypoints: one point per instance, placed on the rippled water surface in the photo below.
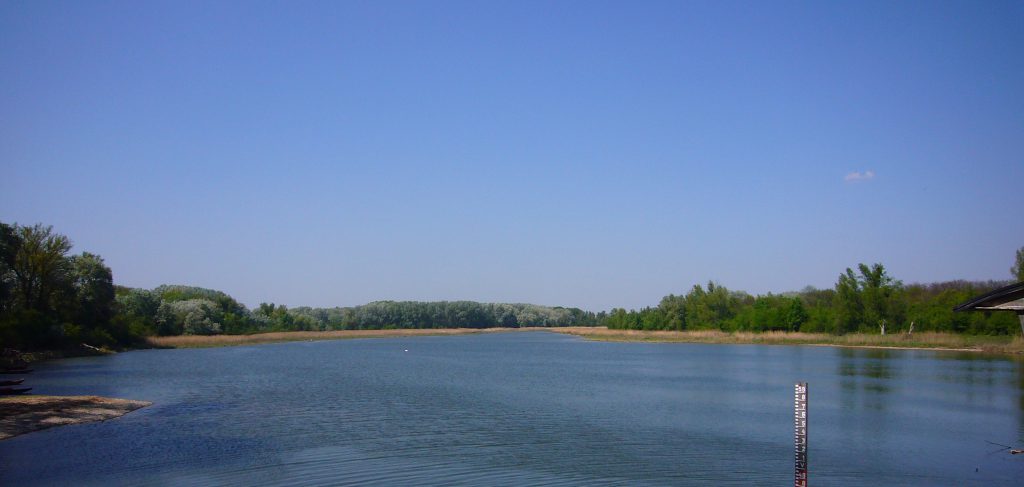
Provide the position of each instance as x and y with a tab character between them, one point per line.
528	409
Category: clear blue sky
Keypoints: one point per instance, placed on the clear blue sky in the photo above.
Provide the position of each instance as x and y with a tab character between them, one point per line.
590	154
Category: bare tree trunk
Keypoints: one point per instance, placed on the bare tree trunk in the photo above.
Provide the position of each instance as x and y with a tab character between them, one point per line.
882	325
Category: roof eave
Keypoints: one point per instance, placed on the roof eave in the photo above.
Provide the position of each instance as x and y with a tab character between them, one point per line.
991	301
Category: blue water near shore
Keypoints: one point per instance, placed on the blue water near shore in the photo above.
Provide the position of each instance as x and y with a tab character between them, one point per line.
528	409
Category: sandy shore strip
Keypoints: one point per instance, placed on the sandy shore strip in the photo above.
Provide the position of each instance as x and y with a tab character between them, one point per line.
200	341
918	341
25	414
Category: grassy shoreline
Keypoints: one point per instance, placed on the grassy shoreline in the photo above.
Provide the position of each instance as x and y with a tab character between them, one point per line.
922	341
207	341
917	341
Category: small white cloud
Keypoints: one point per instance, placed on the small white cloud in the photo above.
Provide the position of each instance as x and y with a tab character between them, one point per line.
856	177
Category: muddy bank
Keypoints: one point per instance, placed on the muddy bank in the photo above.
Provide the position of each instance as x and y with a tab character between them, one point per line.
25	414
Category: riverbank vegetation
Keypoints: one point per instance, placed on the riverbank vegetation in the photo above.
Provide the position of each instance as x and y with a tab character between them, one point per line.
186	310
927	340
207	341
866	301
50	299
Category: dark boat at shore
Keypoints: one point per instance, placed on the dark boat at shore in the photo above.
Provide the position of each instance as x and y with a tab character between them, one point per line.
20	370
12	382
10	391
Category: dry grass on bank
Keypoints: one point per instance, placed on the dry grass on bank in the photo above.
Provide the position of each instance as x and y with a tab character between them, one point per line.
203	341
934	341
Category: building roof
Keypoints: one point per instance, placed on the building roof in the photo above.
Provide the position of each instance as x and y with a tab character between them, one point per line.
1009	298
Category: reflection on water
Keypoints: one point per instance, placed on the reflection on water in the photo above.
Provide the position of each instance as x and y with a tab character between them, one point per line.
866	377
528	409
1020	401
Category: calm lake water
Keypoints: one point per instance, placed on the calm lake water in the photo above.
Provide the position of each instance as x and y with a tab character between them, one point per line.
528	409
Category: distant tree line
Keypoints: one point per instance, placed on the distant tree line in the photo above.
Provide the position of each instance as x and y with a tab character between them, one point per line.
868	300
50	298
182	310
176	310
445	314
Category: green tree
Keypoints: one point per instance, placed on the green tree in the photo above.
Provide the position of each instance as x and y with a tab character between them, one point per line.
710	309
881	297
674	308
653	319
819	304
189	317
1018	266
93	285
795	315
40	266
9	244
137	308
849	307
868	300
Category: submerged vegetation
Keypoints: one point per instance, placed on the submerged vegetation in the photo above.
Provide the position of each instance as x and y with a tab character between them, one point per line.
50	300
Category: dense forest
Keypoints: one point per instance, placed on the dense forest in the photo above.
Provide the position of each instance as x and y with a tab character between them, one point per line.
866	301
52	299
176	310
49	299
